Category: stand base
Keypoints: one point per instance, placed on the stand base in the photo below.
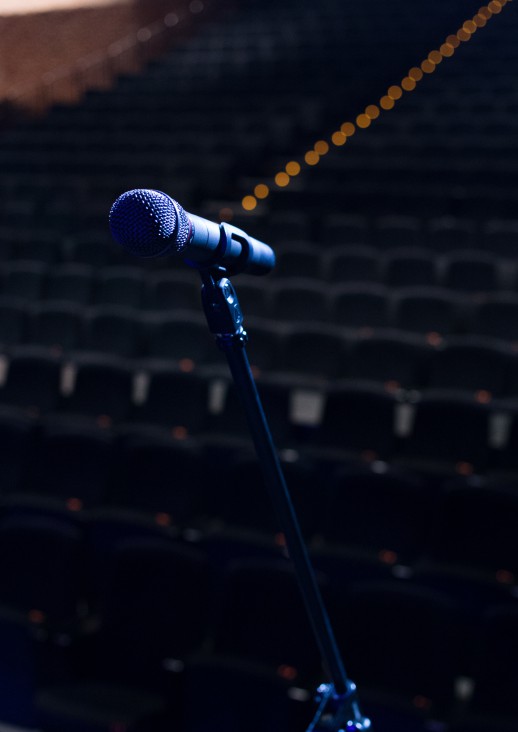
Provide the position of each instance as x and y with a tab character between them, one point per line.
335	710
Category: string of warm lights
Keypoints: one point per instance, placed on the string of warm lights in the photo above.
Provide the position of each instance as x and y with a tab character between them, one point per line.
409	83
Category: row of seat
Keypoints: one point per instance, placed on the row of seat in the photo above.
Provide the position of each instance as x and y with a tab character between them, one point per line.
209	485
157	606
355	305
395	359
453	429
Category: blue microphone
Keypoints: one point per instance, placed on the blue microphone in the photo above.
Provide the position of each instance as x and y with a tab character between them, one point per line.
149	223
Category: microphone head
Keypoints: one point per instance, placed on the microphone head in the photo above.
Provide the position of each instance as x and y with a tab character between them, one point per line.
148	223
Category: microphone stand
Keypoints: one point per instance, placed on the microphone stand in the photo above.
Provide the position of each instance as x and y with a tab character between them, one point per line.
338	709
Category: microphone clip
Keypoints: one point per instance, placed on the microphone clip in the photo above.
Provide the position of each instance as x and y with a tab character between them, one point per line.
222	309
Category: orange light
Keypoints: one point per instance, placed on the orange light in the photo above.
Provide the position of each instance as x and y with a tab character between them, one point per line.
495	6
282	179
348	129
293	168
36	616
485	12
463	35
104	421
447	50
321	147
408	84
422	702
249	203
338	138
395	92
179	433
287	672
415	73
387	103
363	121
372	111
387	556
74	504
226	214
483	396
433	338
428	66
311	157
261	190
163	519
186	365
469	26
464	468
504	577
479	20
453	41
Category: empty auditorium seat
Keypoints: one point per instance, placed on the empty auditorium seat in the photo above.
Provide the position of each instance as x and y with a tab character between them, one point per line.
297	299
122	286
358	418
380	621
111	329
56	325
351	264
42	569
72	283
469	363
177	400
359	306
384	515
409	267
474	529
154	612
182	338
158	476
33	381
426	310
102	390
390	357
450	431
316	351
471	272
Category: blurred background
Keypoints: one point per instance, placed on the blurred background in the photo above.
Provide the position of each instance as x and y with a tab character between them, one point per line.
144	580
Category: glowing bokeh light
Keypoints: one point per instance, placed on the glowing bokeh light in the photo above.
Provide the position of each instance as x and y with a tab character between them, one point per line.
463	35
387	103
282	179
348	129
395	92
249	203
363	121
408	84
415	73
322	147
293	168
447	50
338	138
372	111
453	41
261	190
311	157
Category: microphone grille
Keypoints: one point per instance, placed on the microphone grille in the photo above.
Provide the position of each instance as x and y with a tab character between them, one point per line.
148	223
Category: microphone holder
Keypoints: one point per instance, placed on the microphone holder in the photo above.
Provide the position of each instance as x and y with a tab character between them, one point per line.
338	709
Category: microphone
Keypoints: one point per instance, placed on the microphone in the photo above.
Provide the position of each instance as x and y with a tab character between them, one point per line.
149	223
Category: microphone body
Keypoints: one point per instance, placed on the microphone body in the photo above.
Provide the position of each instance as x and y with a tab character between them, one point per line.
149	223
